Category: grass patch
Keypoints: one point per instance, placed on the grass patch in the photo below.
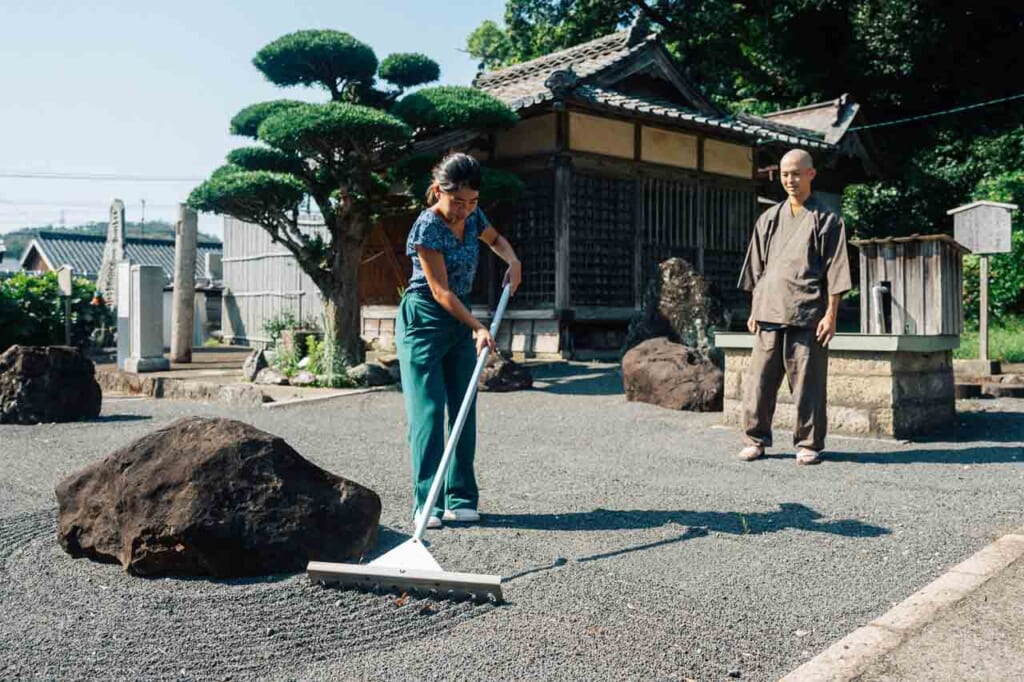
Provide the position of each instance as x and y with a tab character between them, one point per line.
1005	341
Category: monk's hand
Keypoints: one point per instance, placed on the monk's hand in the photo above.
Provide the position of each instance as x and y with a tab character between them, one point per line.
826	328
751	325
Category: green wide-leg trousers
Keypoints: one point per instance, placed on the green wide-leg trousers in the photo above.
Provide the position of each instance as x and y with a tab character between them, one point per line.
437	356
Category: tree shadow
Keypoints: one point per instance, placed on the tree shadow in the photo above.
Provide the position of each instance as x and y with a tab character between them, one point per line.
564	378
790	515
1003	454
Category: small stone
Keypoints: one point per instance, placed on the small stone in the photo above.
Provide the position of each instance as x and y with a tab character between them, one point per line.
303	379
560	561
370	374
735	673
270	631
271	377
801	633
253	364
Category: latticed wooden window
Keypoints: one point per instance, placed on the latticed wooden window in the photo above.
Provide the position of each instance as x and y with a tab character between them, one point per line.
669	223
602	241
532	233
730	216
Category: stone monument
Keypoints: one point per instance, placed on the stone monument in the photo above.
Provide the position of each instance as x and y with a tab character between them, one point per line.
146	320
113	253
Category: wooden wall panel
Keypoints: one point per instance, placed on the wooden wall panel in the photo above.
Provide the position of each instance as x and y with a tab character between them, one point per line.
668	147
530	136
601	135
726	158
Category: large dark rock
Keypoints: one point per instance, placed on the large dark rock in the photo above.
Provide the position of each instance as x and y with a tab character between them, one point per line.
213	497
678	304
671	375
47	384
501	375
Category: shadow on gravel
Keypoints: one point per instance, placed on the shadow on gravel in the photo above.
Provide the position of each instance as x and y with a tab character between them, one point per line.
1002	454
791	515
999	427
699	524
564	378
113	418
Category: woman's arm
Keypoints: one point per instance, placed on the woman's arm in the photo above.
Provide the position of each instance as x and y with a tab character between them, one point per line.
500	246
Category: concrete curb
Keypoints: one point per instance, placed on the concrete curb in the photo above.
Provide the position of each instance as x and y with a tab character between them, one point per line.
342	393
124	384
243	395
851	656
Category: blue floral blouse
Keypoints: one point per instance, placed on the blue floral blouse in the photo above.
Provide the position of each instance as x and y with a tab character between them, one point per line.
460	257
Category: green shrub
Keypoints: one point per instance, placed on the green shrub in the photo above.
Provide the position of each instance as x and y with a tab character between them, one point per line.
32	313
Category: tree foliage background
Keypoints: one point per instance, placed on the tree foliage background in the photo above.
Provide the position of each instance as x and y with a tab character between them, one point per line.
897	58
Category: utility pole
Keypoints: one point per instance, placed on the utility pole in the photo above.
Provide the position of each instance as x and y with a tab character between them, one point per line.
142	225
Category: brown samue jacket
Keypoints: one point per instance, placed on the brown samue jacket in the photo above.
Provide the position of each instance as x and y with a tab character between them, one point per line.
791	272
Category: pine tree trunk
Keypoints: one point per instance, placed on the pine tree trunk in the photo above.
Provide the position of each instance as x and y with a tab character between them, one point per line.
343	345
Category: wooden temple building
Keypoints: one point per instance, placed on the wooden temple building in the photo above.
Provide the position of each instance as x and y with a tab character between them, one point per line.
626	163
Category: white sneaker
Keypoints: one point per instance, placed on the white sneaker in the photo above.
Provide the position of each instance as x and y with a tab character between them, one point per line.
808	456
433	522
751	452
464	515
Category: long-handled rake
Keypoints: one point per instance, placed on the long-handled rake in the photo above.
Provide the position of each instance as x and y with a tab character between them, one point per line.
410	566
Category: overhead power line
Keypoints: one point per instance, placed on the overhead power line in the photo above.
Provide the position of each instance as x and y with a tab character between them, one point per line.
95	176
954	110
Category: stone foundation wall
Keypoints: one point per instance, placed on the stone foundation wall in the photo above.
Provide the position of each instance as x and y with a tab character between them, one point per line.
870	393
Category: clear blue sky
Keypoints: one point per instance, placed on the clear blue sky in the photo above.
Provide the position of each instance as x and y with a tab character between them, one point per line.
147	89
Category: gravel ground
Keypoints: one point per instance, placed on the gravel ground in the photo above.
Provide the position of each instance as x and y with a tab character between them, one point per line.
637	547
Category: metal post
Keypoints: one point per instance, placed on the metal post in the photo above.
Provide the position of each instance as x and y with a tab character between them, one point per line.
983	320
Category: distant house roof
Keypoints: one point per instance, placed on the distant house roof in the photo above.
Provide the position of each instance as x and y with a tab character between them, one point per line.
85	252
593	73
828	119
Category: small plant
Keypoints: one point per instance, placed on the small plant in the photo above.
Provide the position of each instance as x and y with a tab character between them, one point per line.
275	325
315	353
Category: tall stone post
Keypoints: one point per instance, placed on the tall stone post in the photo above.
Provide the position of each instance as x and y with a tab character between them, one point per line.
147	320
183	307
113	253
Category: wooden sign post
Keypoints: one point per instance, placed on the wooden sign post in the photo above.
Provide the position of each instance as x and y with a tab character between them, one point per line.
984	228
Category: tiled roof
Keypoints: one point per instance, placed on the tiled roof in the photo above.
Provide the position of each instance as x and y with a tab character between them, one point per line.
522	83
85	252
746	125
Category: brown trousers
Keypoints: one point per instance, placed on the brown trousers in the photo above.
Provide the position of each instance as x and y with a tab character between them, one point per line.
796	352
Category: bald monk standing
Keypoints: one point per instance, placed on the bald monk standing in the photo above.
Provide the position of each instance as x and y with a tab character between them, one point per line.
797	269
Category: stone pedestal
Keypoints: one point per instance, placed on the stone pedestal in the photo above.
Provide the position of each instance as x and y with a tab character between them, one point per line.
146	320
124	329
878	385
